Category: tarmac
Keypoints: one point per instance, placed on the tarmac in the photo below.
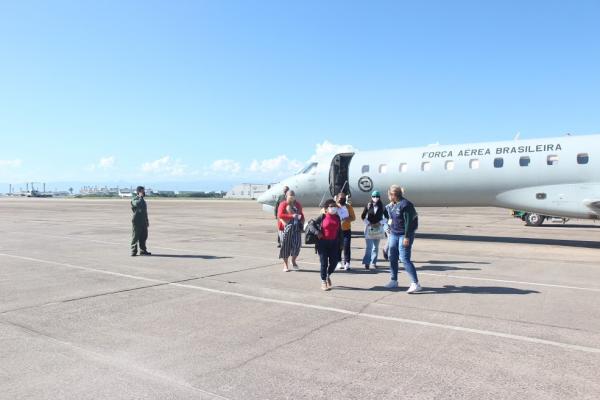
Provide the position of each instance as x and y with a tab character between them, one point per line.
507	311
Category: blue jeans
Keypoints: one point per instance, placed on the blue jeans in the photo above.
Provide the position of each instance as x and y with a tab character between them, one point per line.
397	249
371	251
347	240
329	251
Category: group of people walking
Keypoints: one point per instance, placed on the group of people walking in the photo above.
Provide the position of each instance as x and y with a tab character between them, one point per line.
332	230
397	220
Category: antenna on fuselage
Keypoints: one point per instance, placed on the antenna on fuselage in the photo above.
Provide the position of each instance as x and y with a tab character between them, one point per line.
517	136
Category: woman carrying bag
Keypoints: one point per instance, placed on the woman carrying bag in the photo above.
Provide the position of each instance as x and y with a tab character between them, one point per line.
291	219
375	217
328	229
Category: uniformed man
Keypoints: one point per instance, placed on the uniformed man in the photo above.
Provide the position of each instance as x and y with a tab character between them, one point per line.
140	223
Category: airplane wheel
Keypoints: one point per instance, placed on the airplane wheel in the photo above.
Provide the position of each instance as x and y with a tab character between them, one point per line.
533	219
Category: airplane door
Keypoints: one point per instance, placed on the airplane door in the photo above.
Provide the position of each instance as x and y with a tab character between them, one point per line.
338	174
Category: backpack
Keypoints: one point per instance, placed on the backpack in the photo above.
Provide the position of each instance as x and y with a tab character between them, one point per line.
310	236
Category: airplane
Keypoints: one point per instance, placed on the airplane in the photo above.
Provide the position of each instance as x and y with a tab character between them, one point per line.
557	176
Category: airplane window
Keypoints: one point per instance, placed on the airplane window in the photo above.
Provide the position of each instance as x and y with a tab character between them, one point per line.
449	165
498	162
426	166
474	163
552	159
583	158
403	167
524	161
365	169
383	169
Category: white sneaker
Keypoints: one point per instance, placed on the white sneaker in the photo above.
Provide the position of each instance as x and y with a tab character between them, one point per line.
391	285
373	266
338	266
347	266
296	267
414	288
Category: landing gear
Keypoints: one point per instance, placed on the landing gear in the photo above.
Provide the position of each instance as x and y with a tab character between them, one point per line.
533	219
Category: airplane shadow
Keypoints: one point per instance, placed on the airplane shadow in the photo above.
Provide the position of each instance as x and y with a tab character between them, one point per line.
204	257
514	240
447	289
568	226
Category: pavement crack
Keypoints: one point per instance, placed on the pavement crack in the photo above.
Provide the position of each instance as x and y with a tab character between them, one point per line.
288	343
238	270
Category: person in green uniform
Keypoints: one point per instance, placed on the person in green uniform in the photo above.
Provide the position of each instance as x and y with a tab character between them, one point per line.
140	223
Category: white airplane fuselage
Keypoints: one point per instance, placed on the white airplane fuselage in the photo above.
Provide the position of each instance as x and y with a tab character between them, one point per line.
553	176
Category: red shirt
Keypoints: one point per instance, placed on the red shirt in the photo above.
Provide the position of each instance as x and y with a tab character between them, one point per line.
282	213
330	227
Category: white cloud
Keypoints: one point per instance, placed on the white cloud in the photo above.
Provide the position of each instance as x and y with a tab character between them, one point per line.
10	163
227	166
329	149
105	163
280	164
165	166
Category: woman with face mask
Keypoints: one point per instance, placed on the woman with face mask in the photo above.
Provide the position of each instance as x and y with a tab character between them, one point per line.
328	229
374	216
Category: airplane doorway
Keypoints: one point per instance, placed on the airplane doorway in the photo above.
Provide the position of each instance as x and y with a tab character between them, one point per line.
338	174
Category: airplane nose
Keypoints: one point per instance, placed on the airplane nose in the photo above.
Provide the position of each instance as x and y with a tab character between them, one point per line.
269	196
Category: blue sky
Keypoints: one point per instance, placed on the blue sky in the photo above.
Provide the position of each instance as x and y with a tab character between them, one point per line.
215	92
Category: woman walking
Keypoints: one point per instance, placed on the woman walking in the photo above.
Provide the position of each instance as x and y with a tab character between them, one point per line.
328	229
290	223
375	216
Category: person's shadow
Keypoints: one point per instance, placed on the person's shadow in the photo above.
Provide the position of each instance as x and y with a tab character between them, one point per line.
447	289
203	257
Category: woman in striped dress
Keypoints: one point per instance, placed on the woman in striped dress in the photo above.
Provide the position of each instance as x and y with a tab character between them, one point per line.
291	219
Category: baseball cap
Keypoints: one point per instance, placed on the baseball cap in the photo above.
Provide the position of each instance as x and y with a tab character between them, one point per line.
375	194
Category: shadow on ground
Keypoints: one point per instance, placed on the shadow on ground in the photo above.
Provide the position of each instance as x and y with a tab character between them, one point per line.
447	289
203	257
513	240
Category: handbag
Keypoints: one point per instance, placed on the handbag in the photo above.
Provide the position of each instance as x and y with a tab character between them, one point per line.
374	232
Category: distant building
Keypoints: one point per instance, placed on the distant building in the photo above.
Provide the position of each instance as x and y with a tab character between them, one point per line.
249	191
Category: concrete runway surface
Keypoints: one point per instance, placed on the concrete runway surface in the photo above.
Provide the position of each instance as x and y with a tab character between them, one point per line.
508	311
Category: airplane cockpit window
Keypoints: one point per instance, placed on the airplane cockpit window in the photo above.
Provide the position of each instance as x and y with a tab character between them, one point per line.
552	159
583	158
312	167
425	166
403	167
449	165
498	162
524	161
365	169
474	163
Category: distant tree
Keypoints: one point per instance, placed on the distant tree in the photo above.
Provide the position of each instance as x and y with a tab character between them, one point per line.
71	190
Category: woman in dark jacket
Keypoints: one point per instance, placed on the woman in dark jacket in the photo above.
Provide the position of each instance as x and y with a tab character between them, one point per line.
375	217
328	229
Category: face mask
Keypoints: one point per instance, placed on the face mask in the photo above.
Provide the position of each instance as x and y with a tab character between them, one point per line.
342	202
332	210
